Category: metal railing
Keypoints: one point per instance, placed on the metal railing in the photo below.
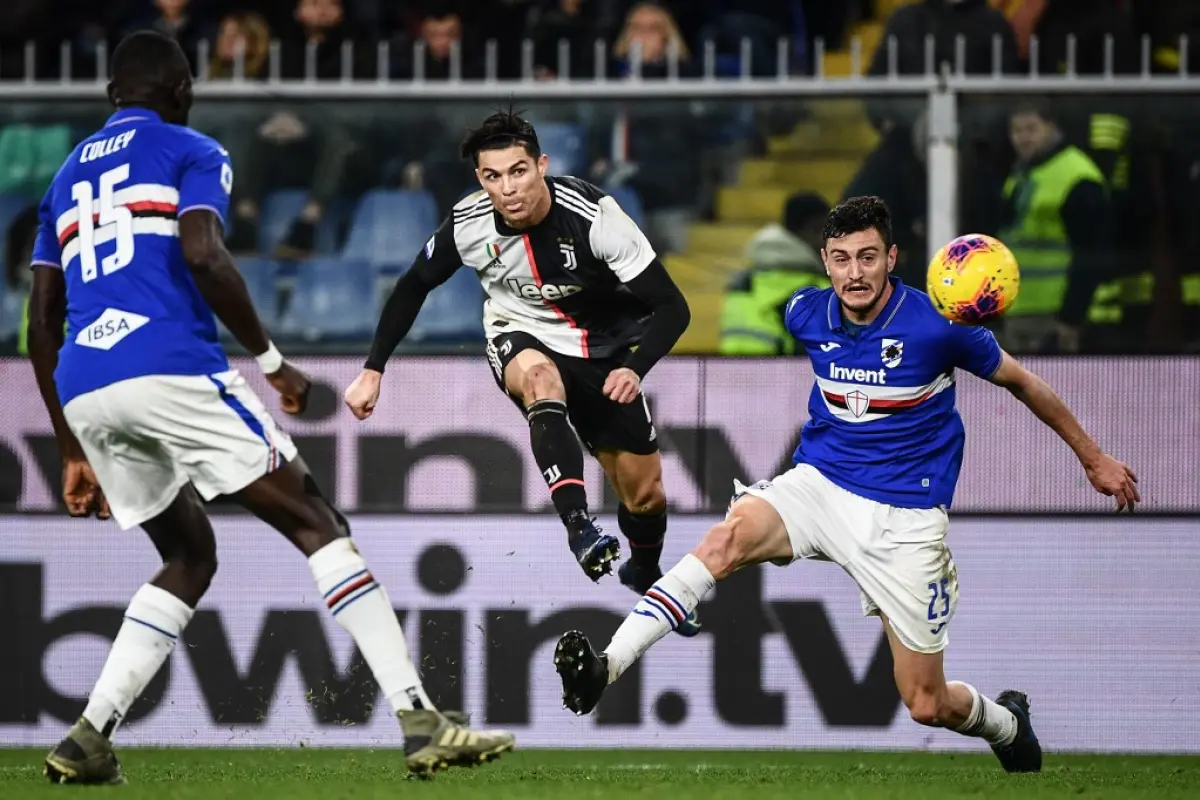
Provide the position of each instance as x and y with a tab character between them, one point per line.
941	83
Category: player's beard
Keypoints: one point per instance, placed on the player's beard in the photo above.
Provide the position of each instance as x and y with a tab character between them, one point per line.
865	306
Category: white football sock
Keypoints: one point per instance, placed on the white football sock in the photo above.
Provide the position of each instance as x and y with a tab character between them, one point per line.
660	611
153	622
988	720
361	606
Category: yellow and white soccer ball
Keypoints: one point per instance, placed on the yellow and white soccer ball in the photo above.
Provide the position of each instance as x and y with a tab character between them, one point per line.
973	279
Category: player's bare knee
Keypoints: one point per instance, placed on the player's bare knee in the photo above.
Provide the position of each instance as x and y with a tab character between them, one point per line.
198	567
542	382
724	547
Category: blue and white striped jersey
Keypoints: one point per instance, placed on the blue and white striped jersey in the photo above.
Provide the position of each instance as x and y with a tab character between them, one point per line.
110	221
882	421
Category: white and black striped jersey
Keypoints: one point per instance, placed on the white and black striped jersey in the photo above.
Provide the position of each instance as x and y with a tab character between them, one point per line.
562	280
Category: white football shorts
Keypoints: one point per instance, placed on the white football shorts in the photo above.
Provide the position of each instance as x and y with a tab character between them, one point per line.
898	556
147	437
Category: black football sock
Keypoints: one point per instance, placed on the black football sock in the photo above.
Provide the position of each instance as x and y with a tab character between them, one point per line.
559	457
645	533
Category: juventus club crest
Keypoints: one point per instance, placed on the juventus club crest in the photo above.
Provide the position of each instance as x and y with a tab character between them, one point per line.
568	253
893	353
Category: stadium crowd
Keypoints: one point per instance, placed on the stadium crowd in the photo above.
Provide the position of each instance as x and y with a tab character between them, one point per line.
669	158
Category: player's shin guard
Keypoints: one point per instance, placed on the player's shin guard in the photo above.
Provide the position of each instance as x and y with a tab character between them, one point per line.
645	533
663	608
559	456
361	606
153	623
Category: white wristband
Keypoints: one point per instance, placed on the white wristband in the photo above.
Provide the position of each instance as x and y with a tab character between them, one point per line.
271	361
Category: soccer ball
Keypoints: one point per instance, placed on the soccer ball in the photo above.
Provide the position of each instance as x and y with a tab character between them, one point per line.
973	279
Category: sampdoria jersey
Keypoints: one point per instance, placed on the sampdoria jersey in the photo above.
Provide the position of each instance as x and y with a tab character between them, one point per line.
882	421
109	221
560	280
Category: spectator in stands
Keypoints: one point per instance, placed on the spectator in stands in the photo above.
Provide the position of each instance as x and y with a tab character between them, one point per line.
328	145
553	21
441	32
177	19
782	259
655	146
983	150
896	172
244	33
238	132
1057	221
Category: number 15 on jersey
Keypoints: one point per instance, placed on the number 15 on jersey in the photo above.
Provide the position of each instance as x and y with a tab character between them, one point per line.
101	220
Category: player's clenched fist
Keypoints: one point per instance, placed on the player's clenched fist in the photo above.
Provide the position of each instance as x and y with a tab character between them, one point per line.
363	394
622	385
81	490
293	386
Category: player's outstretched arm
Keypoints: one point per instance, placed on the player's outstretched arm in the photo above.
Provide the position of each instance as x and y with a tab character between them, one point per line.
433	266
1108	475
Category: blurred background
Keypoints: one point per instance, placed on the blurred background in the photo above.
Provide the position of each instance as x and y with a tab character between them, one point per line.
726	129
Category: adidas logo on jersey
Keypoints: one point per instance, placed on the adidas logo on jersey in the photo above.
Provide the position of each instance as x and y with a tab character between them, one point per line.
547	291
877	376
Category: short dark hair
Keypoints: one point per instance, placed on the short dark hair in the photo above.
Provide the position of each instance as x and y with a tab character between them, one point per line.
1039	107
499	131
803	208
859	214
147	66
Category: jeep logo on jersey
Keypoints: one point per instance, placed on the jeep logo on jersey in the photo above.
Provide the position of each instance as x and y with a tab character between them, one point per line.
893	352
547	291
110	328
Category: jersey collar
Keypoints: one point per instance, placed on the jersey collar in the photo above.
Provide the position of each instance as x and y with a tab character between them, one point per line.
833	312
124	115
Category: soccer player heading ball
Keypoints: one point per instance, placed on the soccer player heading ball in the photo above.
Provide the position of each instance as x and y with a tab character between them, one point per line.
572	286
874	474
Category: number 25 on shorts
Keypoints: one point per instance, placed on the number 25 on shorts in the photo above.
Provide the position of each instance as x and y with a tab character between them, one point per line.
939	603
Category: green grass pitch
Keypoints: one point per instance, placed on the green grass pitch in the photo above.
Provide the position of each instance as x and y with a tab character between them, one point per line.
300	774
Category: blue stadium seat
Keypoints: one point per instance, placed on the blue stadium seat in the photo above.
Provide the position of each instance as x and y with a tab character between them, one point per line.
453	312
332	299
565	144
260	276
281	208
630	202
390	226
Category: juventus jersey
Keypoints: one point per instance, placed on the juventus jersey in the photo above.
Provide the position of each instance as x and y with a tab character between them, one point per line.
561	280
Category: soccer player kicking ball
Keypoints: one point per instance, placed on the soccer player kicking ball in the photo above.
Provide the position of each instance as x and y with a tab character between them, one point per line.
874	473
579	309
150	418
